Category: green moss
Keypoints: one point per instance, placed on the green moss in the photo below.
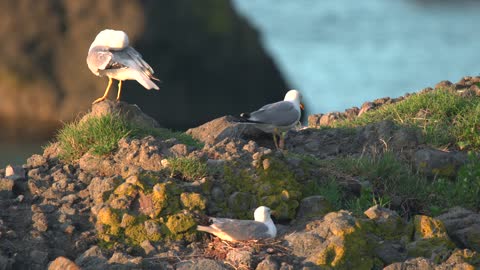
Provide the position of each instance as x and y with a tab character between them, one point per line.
193	201
180	223
275	187
165	198
348	249
135	234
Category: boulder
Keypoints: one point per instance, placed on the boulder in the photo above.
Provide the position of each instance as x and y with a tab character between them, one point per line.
463	226
201	264
436	163
62	263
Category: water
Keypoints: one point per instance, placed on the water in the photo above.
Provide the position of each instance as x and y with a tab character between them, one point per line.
342	53
17	153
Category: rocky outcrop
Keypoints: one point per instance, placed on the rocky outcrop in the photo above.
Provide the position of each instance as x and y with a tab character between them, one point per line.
44	77
467	86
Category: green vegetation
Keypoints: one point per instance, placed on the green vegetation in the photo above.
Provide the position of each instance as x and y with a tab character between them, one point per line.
445	118
100	135
189	168
394	184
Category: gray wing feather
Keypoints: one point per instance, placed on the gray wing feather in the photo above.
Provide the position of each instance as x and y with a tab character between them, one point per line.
243	229
99	59
282	113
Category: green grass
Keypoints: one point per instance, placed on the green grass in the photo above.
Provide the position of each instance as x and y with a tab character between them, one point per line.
189	168
445	118
100	135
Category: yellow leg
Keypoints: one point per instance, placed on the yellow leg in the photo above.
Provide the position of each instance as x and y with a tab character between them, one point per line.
106	92
275	138
281	143
119	90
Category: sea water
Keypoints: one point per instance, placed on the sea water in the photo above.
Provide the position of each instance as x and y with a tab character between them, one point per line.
341	53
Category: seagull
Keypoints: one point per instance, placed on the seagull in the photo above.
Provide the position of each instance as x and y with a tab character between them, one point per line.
241	230
277	117
110	55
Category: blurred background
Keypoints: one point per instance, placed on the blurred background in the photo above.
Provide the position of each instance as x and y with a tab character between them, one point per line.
218	57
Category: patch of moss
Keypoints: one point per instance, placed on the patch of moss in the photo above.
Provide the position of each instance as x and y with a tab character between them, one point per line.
275	186
135	234
180	223
165	198
193	201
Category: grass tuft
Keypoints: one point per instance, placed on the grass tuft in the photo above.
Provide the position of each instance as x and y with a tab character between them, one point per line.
100	136
189	168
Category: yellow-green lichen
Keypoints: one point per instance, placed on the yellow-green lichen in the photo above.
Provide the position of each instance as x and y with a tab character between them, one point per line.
180	223
193	201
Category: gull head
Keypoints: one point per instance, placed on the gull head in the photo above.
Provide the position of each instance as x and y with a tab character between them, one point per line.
293	95
114	39
262	214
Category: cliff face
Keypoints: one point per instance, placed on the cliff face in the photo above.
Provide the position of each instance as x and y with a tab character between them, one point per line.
209	59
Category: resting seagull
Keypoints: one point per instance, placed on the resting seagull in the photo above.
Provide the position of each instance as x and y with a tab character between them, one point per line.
110	55
277	117
240	230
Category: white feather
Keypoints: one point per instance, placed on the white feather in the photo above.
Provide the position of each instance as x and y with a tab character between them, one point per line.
114	39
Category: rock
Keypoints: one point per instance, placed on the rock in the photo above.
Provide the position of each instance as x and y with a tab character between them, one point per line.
341	242
130	112
40	222
313	207
128	262
387	221
92	259
221	128
62	263
201	264
6	263
464	256
147	248
100	187
436	163
412	264
241	258
15	173
269	263
36	161
430	239
463	226
443	85
390	251
6	188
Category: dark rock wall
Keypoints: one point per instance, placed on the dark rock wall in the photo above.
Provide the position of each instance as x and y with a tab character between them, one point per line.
209	58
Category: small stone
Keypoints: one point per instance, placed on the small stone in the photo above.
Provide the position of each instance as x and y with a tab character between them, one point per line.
148	248
62	263
165	163
40	222
15	172
266	164
240	258
20	198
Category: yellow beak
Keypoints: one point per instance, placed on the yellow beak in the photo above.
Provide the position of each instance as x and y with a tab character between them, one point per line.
302	106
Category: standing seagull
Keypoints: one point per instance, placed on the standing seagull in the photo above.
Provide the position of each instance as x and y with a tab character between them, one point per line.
110	55
240	230
277	117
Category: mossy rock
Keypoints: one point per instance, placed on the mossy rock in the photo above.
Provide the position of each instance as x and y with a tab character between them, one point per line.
193	201
165	198
136	233
430	239
108	216
180	223
348	247
274	186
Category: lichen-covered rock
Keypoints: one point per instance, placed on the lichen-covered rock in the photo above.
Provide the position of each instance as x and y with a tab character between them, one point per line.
388	223
433	162
201	264
193	201
344	246
412	264
430	239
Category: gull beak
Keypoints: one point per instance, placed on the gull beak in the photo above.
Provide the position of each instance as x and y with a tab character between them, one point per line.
273	213
302	107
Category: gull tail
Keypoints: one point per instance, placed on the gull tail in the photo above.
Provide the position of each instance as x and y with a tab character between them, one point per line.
146	81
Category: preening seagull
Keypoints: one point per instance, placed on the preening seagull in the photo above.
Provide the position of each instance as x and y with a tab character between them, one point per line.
277	117
240	230
110	55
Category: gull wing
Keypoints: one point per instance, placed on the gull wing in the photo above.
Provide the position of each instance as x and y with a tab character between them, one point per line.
242	229
282	113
